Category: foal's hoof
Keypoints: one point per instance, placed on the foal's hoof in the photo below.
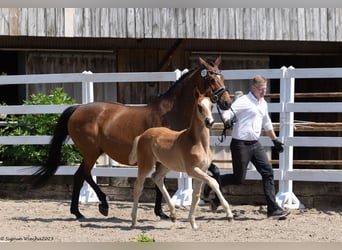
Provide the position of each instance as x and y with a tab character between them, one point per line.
173	218
103	209
230	219
161	214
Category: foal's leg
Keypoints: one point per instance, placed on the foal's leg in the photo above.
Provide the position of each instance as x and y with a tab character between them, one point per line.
158	178
196	187
138	187
200	175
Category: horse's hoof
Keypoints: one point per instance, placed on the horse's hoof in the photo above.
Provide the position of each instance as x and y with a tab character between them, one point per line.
230	219
161	214
173	218
78	215
103	209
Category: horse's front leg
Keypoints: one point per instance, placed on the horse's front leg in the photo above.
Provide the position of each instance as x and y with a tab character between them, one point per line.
215	187
197	184
200	175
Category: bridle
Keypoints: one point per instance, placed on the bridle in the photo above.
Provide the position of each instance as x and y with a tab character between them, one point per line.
217	93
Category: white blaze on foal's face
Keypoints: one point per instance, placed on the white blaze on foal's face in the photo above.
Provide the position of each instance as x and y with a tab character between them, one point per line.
207	106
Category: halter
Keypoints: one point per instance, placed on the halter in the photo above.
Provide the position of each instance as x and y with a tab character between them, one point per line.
217	93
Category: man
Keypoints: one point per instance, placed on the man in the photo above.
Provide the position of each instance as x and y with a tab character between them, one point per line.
247	117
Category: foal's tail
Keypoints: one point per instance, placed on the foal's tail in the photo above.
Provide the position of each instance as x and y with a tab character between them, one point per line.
133	157
60	134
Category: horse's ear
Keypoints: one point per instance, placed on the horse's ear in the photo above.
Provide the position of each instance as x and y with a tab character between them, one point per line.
218	61
204	63
197	93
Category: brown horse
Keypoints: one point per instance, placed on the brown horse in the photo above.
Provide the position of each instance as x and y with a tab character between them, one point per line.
110	128
182	151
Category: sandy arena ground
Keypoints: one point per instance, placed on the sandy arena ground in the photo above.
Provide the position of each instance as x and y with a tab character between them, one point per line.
50	221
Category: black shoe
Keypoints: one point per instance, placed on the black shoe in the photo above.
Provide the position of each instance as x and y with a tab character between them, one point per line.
279	213
161	214
214	205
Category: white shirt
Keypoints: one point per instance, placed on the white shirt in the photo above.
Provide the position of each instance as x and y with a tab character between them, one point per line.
252	116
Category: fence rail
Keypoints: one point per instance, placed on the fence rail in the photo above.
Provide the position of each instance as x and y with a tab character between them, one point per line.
286	108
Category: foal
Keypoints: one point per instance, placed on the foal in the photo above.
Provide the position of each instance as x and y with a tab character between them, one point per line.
182	151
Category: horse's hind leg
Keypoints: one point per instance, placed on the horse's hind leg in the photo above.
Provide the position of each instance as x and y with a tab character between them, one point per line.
78	182
103	206
158	178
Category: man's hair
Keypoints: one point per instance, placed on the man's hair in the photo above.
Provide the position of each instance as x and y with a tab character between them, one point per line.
258	79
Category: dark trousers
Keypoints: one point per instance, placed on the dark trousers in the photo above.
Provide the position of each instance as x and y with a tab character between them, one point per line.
251	151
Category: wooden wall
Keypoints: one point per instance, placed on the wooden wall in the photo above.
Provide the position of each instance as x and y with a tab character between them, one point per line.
304	24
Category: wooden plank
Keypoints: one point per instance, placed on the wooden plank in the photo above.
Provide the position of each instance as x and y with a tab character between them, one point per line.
60	21
278	21
13	22
139	22
293	25
261	32
270	24
23	21
338	24
156	32
301	24
4	21
121	20
41	22
198	25
316	27
32	22
180	22
213	23
50	22
285	12
331	24
247	23
148	22
189	22
323	33
104	22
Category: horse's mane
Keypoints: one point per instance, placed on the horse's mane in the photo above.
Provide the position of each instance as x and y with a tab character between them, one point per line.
175	87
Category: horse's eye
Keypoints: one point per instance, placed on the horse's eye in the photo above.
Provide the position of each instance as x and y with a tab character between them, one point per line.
200	109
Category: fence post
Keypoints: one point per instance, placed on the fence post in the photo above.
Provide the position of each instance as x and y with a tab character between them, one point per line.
285	197
183	195
87	194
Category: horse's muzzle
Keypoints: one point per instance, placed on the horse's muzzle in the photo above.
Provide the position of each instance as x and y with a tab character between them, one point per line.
209	122
224	105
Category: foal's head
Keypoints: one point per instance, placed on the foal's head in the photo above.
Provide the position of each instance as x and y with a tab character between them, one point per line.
214	82
203	110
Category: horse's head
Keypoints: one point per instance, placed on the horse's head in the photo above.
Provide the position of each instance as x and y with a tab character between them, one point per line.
214	83
204	107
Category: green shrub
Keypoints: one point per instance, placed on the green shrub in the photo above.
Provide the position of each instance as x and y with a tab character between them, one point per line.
36	124
142	237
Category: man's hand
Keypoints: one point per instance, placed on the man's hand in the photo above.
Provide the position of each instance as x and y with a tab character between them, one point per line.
229	123
278	146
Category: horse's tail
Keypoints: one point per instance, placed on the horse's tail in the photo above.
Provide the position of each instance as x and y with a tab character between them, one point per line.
133	157
60	134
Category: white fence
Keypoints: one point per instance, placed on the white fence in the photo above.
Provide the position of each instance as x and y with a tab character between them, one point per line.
286	108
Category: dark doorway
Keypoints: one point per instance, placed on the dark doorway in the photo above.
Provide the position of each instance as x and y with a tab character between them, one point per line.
9	66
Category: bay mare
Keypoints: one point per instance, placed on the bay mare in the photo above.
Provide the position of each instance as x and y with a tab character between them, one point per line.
182	151
103	127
